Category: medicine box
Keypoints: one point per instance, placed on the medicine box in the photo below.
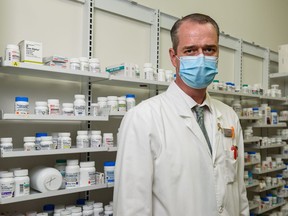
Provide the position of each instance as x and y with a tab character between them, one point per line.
55	58
30	52
119	70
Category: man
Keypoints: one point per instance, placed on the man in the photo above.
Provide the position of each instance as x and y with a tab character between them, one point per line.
170	162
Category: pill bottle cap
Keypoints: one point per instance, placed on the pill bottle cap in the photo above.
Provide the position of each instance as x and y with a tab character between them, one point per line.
12	46
41	134
87	164
21	172
72	162
79	96
6	139
130	96
29	139
21	98
109	163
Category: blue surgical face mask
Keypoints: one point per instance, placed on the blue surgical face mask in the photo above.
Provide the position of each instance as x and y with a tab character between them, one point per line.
198	71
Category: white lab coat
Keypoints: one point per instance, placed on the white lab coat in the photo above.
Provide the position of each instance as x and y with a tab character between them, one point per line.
164	166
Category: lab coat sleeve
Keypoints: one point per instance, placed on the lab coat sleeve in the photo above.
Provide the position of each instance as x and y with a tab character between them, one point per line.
134	166
243	205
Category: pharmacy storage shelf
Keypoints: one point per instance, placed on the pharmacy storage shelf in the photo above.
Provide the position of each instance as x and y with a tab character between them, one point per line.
278	75
252	140
239	94
279	125
255	183
261	211
124	81
283	99
36	195
48	72
52	117
258	190
282	156
253	205
269	170
22	153
112	149
267	147
252	163
249	117
117	114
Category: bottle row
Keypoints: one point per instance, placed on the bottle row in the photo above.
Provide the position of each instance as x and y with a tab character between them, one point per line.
267	165
267	202
41	141
103	106
81	208
65	175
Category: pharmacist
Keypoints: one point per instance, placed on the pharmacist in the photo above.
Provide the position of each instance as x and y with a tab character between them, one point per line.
169	161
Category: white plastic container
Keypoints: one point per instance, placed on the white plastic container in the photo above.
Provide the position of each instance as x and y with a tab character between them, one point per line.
21	105
112	101
61	166
74	64
168	76
130	100
76	211
46	143
6	144
38	140
22	182
79	105
41	108
95	109
7	185
161	75
102	101
45	179
122	104
84	65
66	213
29	143
148	71
94	65
88	210
53	107
87	173
95	139
108	210
64	141
108	140
72	174
12	53
82	139
109	168
67	109
98	209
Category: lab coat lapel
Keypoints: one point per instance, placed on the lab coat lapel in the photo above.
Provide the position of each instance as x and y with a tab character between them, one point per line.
218	134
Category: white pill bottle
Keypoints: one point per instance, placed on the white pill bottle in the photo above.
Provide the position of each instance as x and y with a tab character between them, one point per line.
79	105
87	173
22	182
72	174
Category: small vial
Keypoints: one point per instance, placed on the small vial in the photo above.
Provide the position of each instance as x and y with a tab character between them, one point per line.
79	105
168	76
108	140
94	65
12	53
29	143
72	174
22	182
21	105
53	107
67	109
96	139
74	64
122	104
82	139
130	100
41	108
112	102
64	141
6	144
7	185
95	109
46	143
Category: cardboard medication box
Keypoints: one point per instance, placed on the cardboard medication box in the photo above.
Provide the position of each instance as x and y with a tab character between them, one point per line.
123	69
30	52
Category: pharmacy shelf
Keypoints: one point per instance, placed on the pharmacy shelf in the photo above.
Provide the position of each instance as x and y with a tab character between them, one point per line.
112	149
283	99
258	190
282	156
253	205
239	94
269	171
22	153
278	75
251	163
255	183
252	140
267	147
124	81
249	117
282	118
34	117
261	211
279	125
48	72
36	195
117	114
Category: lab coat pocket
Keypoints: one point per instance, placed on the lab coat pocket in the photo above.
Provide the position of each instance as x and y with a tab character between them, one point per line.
230	166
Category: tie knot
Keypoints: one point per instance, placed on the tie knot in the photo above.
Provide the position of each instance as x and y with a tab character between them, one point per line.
199	110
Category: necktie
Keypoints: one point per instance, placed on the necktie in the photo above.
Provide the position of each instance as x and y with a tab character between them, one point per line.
200	119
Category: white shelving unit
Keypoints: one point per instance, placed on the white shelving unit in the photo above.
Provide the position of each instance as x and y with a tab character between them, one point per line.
269	170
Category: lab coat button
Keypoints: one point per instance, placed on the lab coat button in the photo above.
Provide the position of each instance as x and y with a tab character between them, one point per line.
220	209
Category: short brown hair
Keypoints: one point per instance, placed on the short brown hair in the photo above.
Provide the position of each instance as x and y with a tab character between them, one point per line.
195	17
